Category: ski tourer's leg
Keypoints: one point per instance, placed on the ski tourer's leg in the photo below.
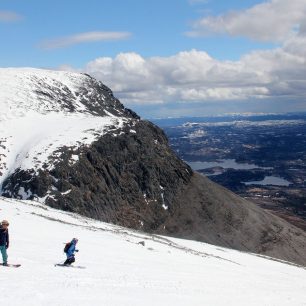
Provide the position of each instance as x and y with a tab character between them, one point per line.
69	261
4	254
72	260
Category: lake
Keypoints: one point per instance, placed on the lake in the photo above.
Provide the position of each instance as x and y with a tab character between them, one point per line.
270	180
224	163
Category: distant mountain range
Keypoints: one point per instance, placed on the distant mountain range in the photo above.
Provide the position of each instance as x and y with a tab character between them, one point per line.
166	122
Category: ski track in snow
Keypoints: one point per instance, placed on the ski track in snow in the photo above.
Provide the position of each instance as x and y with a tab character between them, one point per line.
120	271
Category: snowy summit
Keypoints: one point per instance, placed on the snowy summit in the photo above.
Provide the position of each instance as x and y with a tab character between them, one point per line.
42	111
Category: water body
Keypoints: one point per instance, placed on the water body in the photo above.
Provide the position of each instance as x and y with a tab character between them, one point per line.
270	180
224	163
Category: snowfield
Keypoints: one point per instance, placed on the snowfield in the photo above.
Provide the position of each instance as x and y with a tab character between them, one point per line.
32	141
120	271
40	90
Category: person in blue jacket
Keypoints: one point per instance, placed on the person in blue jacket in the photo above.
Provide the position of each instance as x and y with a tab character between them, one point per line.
4	240
70	252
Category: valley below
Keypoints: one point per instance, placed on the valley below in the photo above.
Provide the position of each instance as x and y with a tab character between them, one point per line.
261	158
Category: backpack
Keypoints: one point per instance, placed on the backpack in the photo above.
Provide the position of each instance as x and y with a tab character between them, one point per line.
67	246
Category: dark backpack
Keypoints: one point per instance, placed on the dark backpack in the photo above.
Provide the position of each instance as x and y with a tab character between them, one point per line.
67	246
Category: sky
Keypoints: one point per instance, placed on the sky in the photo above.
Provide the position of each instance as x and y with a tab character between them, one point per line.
169	58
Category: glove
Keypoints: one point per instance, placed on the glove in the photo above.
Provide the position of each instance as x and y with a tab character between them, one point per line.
76	250
7	247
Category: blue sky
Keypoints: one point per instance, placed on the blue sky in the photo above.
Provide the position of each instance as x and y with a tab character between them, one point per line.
50	34
157	28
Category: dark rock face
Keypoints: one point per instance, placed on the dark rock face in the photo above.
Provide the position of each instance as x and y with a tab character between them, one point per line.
131	179
124	180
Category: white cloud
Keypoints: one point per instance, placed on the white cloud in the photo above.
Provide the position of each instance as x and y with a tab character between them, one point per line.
86	37
9	16
274	20
197	77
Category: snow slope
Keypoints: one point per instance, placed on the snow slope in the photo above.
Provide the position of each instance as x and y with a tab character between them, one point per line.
119	271
40	90
42	111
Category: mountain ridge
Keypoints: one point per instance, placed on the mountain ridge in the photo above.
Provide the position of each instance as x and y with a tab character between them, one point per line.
90	155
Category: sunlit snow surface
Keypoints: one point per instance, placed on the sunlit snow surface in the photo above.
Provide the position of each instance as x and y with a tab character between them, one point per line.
24	89
35	118
119	271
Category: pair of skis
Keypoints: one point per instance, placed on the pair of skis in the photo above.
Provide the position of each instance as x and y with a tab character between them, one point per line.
56	265
69	266
11	265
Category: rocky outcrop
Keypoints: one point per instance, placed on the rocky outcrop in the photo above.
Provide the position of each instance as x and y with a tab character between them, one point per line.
131	179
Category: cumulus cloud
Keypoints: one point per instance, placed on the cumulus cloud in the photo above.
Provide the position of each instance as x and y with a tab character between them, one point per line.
274	20
195	76
86	37
9	16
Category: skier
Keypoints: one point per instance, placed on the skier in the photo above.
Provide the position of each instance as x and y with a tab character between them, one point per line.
69	250
4	240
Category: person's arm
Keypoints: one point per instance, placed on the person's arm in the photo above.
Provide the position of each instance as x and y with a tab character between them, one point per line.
7	239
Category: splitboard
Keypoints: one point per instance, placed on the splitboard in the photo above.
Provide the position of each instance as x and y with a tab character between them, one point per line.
69	266
11	265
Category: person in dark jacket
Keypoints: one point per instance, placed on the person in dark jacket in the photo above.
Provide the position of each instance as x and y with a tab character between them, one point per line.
4	240
70	252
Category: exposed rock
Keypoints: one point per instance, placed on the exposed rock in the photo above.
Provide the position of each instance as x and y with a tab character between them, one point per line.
131	179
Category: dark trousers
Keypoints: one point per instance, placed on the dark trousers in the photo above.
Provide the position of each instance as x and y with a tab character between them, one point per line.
69	260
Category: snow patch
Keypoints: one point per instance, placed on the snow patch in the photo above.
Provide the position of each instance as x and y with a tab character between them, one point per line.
165	207
66	192
24	195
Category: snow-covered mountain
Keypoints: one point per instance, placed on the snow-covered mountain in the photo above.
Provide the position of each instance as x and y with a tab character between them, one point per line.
120	271
42	111
67	142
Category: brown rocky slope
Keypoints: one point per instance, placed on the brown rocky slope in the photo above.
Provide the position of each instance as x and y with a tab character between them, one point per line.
211	213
